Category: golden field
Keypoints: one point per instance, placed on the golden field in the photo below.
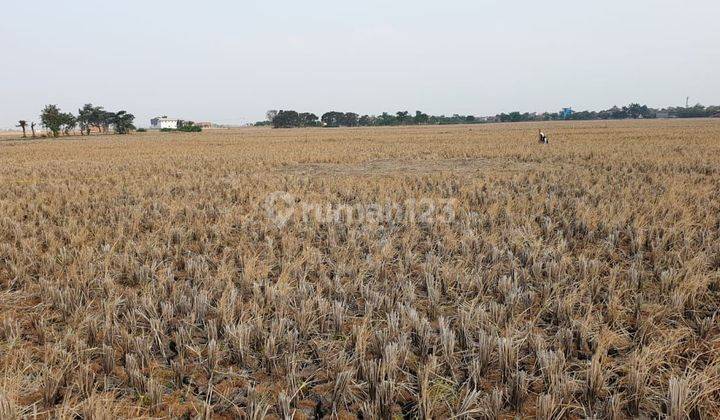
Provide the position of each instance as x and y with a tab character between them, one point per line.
148	275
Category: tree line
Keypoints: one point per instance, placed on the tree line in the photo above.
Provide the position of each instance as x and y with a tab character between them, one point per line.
293	119
88	117
632	111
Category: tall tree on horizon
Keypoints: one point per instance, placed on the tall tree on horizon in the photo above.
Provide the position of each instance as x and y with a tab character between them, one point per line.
68	122
52	119
84	118
22	124
402	116
123	122
271	114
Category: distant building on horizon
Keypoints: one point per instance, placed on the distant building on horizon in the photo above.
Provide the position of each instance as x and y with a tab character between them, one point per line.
164	122
566	113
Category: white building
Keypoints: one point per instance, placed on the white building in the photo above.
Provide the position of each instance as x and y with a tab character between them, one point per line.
164	122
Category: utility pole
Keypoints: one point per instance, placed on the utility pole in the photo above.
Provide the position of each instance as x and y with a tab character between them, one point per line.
687	102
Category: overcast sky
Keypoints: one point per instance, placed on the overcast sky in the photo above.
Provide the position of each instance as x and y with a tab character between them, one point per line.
230	61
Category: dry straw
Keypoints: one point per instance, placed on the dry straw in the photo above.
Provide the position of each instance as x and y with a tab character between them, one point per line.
142	277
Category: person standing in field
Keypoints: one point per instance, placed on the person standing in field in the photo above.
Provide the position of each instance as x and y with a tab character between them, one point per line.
542	138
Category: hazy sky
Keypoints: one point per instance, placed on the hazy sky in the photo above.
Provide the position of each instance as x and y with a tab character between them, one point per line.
230	61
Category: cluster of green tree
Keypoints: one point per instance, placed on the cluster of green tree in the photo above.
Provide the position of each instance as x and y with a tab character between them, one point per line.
632	111
291	119
185	126
420	118
697	111
88	116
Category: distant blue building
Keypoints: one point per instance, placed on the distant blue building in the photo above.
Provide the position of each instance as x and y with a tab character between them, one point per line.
566	113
